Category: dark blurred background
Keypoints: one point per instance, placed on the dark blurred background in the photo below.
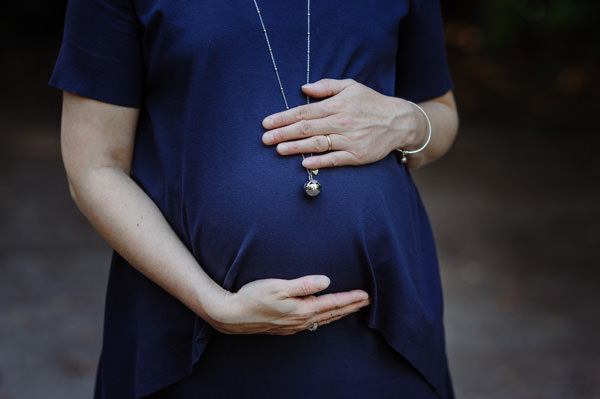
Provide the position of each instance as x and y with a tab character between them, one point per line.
514	207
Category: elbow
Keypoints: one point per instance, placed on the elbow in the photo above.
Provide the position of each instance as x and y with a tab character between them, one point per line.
72	190
89	187
455	125
81	177
75	188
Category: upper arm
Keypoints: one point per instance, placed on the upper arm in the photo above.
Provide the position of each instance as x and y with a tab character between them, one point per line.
96	135
100	71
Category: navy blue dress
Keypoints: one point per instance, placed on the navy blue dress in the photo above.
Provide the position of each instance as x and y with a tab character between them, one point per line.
202	77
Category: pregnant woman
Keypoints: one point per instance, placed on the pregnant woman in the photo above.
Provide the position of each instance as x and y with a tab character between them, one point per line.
249	163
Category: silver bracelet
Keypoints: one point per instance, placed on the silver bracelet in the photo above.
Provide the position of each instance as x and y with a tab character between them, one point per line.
404	153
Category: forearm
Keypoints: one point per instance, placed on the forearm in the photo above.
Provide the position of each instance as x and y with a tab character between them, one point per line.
130	221
134	226
444	125
97	141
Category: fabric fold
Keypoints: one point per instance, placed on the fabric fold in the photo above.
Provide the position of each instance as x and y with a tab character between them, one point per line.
406	305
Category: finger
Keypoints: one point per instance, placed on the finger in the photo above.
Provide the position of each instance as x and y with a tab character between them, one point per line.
283	331
300	130
323	318
330	160
328	318
293	115
320	89
327	87
296	329
334	302
306	285
336	314
315	144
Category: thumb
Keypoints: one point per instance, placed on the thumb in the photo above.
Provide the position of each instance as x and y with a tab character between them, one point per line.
326	87
307	285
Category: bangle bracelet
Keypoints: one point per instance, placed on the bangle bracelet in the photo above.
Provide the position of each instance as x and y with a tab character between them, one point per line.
404	153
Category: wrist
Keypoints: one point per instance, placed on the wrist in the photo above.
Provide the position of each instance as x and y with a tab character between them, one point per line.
422	125
228	313
423	129
215	305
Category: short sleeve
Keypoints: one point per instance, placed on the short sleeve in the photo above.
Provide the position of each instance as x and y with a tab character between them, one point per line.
422	67
101	54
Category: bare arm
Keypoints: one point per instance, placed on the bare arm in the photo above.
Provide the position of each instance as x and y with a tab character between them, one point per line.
364	126
444	125
97	142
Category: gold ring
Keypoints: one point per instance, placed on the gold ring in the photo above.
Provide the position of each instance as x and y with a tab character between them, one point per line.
329	145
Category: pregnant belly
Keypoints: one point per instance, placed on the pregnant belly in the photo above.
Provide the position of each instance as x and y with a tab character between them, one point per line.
242	233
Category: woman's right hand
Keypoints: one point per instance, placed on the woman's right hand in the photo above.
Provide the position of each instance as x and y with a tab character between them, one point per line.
283	307
97	141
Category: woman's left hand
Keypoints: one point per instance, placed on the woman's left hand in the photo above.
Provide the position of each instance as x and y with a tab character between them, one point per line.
363	125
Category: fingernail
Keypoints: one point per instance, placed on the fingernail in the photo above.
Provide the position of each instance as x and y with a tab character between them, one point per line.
267	123
268	139
364	296
308	86
322	281
283	148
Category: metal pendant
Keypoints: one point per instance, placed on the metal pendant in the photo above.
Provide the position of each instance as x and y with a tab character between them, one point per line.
403	158
312	188
314	171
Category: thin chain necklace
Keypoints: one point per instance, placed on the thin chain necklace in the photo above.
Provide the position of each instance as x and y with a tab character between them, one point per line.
312	187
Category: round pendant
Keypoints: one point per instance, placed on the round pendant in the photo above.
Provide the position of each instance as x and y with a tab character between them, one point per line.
312	188
403	158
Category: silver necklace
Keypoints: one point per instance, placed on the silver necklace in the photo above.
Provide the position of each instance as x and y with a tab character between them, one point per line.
312	187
